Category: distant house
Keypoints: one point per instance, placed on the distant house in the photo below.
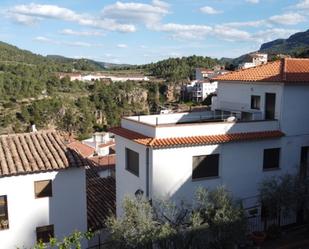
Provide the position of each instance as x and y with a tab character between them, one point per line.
42	189
201	89
254	59
71	76
258	130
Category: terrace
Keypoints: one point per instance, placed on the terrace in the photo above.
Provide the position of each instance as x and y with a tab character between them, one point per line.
198	123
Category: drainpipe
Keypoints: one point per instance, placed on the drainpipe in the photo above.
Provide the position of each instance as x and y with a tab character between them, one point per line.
147	172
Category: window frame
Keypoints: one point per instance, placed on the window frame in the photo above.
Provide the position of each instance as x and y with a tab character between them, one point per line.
42	228
36	195
279	159
6	214
253	102
136	173
194	178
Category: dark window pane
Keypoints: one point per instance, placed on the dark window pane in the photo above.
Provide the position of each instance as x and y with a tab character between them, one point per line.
271	158
44	233
255	102
205	166
4	219
43	188
132	161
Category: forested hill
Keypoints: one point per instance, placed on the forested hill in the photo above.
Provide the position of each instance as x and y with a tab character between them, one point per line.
296	44
13	55
176	69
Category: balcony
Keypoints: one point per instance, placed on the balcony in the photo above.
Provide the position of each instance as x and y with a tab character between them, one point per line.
197	124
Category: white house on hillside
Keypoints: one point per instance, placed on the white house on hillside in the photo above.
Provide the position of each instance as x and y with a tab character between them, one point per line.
256	59
42	189
260	130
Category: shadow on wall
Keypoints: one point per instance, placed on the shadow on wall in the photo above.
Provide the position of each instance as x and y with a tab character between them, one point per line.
67	206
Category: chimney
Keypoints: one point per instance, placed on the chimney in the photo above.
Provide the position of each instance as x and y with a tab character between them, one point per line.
33	128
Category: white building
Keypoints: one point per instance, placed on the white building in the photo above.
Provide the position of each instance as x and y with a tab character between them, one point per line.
42	189
101	142
203	73
93	77
260	130
201	89
256	59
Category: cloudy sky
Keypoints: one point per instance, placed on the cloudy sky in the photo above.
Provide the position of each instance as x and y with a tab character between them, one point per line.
141	31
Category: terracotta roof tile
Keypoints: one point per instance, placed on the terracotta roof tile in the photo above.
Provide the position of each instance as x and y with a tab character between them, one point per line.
35	152
194	140
287	70
83	149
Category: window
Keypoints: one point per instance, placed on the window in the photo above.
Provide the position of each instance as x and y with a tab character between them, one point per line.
271	158
255	102
43	189
205	166
4	218
44	233
132	161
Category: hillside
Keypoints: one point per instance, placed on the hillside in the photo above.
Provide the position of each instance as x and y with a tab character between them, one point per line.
10	54
295	44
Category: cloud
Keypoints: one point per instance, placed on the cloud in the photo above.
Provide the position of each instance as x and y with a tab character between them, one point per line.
133	12
231	34
44	39
182	31
122	45
287	19
210	10
80	33
246	24
37	12
271	34
304	4
253	1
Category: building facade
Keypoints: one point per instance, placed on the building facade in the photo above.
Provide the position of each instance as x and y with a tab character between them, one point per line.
42	189
258	130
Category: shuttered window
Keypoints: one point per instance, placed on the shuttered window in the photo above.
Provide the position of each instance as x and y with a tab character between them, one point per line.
132	161
4	219
44	233
43	189
205	166
271	158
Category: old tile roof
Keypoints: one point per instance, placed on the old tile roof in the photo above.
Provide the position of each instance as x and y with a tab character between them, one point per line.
35	152
101	198
83	149
194	140
287	70
108	161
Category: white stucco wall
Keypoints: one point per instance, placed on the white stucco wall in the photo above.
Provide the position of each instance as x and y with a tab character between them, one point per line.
295	112
66	209
238	95
240	167
126	182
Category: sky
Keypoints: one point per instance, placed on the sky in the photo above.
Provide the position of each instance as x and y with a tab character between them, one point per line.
143	31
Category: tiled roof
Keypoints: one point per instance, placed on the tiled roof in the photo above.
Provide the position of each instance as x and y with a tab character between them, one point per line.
108	144
194	140
83	149
287	70
35	152
103	161
101	199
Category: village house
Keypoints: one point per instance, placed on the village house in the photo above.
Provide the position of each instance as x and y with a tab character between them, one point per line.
254	59
42	189
258	129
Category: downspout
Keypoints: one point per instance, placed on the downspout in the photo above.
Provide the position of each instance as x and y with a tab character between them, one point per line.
147	172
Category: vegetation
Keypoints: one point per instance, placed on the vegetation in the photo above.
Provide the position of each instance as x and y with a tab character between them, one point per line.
285	195
179	69
68	242
213	221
